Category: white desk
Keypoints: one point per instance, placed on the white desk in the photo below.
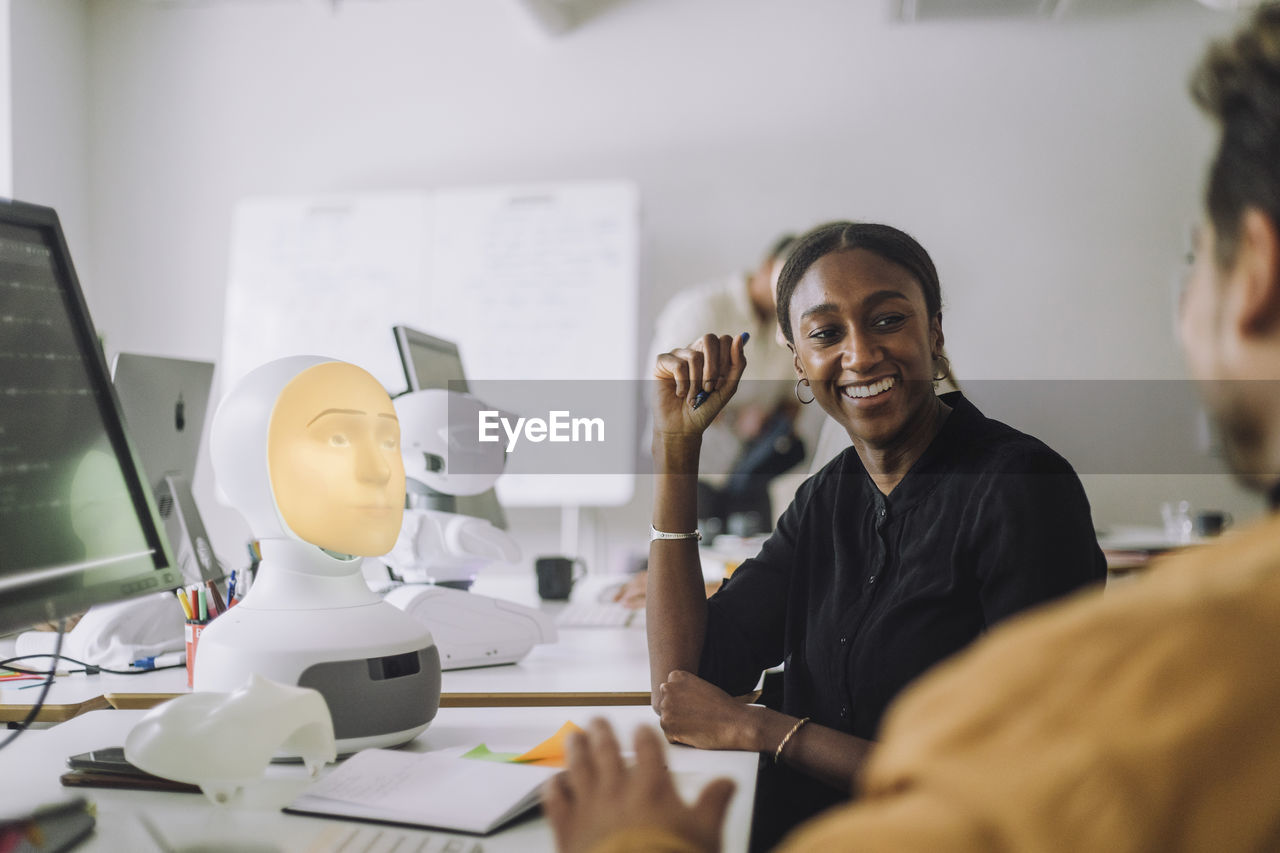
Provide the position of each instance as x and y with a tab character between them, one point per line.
32	764
72	695
587	666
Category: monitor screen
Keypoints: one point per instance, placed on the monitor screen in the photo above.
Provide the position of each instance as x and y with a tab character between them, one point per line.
78	525
431	362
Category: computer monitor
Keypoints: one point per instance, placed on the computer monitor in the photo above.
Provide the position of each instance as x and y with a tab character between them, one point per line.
164	401
428	361
431	362
78	525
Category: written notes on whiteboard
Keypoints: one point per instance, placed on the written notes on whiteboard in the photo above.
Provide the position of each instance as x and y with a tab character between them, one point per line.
546	277
543	282
324	276
532	282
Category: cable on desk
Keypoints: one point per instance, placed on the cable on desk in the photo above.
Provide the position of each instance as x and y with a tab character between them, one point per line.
89	669
44	692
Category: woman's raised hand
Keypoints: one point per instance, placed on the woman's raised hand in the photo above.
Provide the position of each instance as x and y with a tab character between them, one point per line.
695	383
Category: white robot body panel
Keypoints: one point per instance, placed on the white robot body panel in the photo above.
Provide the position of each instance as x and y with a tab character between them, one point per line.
377	669
435	547
473	630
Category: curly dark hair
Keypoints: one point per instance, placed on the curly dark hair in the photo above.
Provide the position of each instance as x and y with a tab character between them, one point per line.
1238	85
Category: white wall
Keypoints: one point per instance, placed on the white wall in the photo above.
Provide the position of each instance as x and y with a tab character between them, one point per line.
6	104
1051	168
49	49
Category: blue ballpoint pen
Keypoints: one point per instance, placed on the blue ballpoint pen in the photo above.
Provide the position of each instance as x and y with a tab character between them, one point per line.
702	396
156	661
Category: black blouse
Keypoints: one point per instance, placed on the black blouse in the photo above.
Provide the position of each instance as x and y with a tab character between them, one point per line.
859	593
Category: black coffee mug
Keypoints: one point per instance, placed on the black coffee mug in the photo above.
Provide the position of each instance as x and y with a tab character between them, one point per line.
556	576
1211	522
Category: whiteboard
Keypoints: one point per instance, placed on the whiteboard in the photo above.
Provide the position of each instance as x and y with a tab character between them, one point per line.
324	276
533	282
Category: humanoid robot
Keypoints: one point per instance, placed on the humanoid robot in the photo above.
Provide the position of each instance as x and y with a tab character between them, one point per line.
308	450
439	551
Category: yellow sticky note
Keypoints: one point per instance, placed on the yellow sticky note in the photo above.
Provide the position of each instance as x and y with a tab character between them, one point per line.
550	753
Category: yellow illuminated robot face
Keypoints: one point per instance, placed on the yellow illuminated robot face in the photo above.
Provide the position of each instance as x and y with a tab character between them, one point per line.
333	451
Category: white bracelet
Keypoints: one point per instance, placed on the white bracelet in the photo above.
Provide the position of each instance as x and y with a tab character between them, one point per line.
655	533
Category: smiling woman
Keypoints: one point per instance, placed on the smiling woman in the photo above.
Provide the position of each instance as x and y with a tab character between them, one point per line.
936	524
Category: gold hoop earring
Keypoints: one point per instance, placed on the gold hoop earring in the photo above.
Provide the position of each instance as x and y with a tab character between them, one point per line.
941	368
805	383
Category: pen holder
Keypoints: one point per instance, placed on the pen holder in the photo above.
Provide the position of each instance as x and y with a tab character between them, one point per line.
194	629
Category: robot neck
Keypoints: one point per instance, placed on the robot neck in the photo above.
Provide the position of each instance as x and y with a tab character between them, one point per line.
296	575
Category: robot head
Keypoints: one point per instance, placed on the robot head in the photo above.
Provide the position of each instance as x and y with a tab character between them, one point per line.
441	448
309	448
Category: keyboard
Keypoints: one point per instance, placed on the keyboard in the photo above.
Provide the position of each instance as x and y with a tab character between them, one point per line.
386	839
589	614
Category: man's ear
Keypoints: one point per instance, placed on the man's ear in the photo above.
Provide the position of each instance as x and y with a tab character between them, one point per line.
939	340
1255	275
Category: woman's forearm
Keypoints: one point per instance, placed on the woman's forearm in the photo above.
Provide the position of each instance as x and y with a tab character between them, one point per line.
832	757
675	599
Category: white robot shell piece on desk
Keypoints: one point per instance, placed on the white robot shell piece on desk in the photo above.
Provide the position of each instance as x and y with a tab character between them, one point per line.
307	448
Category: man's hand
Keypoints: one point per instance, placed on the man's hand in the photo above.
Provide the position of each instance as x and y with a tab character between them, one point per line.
598	795
696	712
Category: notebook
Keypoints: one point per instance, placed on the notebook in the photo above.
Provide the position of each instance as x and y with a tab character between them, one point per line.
425	789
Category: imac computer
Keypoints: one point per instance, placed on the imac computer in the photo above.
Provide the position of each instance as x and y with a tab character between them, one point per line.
431	362
78	523
165	401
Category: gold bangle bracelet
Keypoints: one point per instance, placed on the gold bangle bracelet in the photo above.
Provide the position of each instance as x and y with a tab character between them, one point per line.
777	755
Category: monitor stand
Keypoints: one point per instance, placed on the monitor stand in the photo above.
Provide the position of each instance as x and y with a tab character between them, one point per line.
185	529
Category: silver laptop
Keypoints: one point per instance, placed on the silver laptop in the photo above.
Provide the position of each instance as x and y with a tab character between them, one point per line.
165	402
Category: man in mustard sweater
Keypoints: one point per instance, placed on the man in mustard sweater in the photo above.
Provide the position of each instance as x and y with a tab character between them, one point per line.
1142	720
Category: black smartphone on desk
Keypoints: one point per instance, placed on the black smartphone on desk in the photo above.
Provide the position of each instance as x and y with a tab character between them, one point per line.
108	768
109	760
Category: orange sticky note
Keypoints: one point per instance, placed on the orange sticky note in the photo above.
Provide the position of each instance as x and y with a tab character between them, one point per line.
550	753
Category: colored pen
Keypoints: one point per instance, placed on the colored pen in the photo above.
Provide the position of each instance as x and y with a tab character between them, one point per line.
216	605
203	608
157	661
231	589
186	605
195	603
